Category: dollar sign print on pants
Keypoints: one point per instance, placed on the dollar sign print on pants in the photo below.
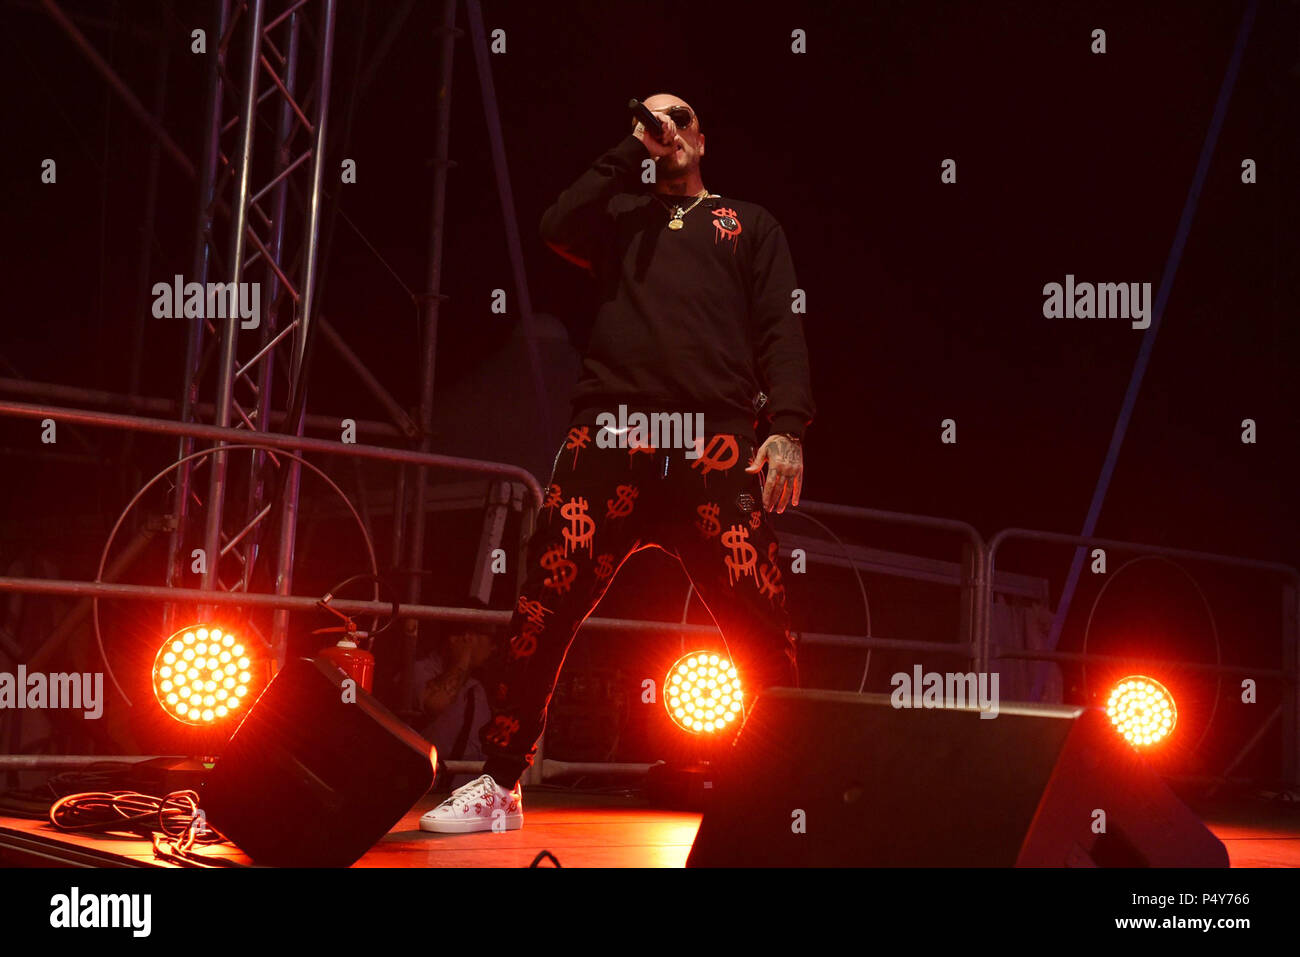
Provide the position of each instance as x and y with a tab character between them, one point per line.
552	502
743	556
582	527
524	644
563	571
579	438
621	506
600	507
720	454
708	520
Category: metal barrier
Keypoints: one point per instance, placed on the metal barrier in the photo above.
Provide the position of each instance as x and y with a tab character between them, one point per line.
975	575
290	443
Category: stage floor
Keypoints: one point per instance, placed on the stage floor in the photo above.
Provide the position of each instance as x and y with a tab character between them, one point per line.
581	830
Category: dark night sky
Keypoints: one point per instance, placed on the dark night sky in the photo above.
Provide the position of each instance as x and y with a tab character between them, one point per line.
924	299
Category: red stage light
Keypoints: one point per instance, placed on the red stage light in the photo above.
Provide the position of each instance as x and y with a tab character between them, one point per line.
1142	710
202	675
702	693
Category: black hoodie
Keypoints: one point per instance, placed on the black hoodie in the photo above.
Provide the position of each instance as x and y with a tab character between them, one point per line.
693	320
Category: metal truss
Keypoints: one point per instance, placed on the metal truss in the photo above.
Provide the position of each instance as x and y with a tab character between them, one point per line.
259	222
259	178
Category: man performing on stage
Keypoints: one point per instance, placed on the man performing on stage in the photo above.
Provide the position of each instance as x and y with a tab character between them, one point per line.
696	317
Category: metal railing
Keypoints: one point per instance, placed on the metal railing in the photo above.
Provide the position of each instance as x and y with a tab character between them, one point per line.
975	575
290	443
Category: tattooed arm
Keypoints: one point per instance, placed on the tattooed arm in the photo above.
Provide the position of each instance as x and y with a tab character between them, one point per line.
783	454
441	691
782	356
468	651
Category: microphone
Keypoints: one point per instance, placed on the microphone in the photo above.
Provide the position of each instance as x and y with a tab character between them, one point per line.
648	119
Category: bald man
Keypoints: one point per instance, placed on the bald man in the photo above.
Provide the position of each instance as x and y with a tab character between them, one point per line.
695	340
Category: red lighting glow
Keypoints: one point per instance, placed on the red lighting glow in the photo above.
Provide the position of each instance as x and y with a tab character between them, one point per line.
702	693
1142	710
202	675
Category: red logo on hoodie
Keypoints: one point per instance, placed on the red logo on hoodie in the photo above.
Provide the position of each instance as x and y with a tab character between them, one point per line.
726	226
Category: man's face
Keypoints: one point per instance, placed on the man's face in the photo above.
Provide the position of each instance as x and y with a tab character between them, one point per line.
689	139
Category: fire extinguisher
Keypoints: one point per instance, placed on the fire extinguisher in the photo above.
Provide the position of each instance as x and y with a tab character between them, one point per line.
353	660
348	655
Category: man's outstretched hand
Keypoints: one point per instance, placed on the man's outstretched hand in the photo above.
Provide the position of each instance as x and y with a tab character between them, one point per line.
784	458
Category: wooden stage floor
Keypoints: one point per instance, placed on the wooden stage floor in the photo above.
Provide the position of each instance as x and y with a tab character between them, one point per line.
581	830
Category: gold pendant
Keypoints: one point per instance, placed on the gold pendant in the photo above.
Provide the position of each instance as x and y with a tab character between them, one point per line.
675	224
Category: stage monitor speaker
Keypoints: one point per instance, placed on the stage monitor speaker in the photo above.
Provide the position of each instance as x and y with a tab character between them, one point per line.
313	778
835	779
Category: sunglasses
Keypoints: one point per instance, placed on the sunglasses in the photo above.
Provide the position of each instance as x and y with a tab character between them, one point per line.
680	115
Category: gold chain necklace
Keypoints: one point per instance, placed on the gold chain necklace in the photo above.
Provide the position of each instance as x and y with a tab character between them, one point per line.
679	214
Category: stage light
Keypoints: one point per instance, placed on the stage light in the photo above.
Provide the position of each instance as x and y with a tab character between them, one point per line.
202	674
702	693
1142	710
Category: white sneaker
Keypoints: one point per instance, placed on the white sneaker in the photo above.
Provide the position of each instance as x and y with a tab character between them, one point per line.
481	805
